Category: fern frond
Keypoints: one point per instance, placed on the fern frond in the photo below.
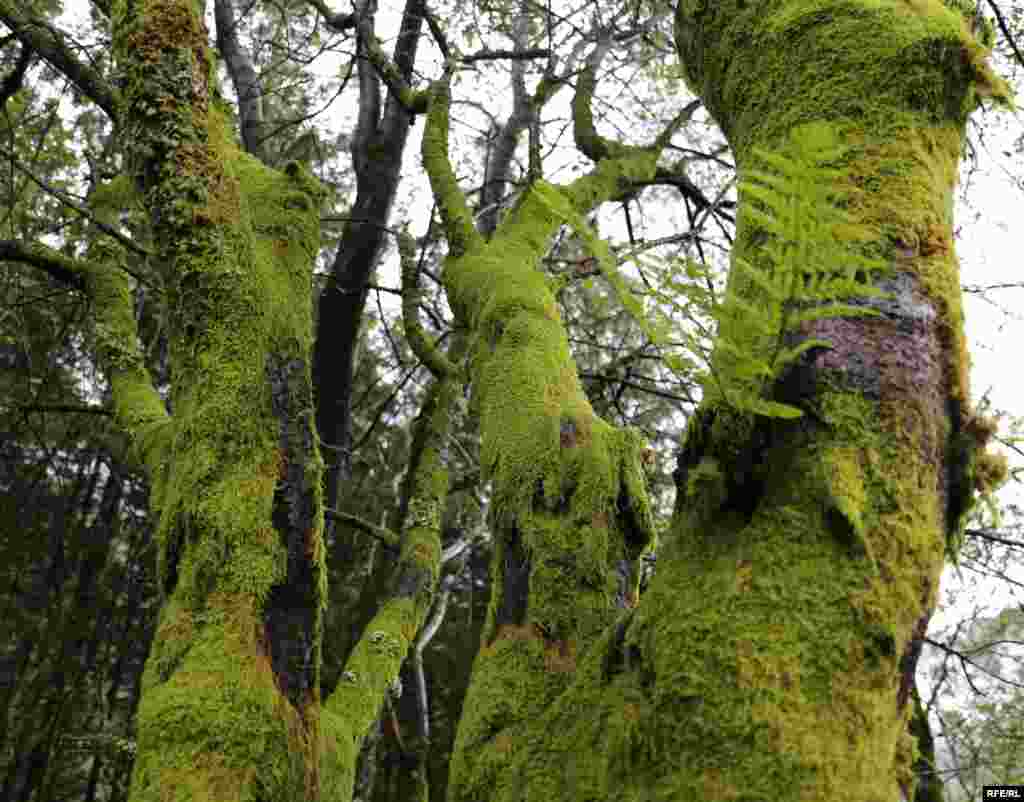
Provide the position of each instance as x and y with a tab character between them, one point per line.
812	265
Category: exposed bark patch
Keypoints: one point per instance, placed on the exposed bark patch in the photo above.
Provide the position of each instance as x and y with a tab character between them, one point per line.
291	609
909	658
896	358
515	580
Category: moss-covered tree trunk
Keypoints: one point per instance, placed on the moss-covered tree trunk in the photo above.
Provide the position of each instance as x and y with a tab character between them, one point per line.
230	706
773	656
230	692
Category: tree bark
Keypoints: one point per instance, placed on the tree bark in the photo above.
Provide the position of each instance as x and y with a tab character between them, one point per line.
767	660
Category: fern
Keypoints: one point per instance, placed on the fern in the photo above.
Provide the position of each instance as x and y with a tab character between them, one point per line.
812	266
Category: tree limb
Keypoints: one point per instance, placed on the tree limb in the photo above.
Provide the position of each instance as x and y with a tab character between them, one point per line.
49	43
381	533
138	407
243	75
335	21
128	242
451	200
428	352
1001	21
394	75
510	55
63	268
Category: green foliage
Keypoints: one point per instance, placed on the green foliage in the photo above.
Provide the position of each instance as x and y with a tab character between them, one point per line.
809	261
812	265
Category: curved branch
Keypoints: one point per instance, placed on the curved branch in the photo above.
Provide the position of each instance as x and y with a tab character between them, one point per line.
63	268
335	21
49	43
451	200
138	408
588	141
128	242
428	352
621	169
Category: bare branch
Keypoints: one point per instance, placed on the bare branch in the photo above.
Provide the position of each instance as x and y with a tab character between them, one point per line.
49	43
129	243
381	533
394	75
987	534
437	33
510	55
243	75
428	352
1001	21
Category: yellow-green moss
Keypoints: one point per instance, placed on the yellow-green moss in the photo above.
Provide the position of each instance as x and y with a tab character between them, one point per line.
235	244
765	660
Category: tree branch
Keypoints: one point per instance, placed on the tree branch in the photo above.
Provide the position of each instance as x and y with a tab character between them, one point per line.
243	76
511	55
414	102
381	533
138	408
621	169
1006	31
335	21
451	200
588	141
63	268
986	534
69	408
428	352
128	242
49	43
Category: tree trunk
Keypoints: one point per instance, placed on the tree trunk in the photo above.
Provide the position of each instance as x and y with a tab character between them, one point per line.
230	692
772	657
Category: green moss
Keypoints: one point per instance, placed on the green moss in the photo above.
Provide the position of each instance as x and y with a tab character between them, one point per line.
225	700
764	661
569	485
236	243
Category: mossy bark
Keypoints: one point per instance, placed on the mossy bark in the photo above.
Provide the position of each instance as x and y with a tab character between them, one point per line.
569	508
773	656
230	691
230	704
